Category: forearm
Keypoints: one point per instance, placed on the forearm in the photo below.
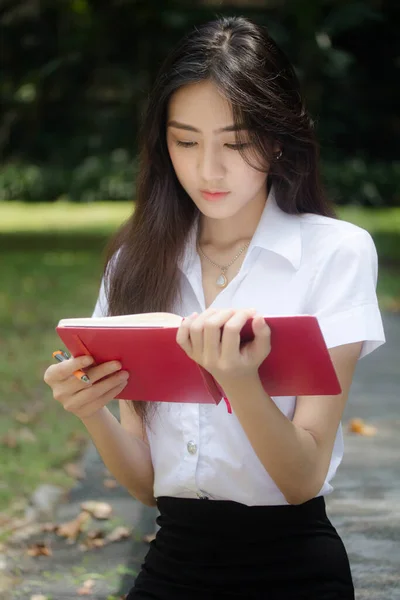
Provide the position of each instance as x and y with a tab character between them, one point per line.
127	457
288	453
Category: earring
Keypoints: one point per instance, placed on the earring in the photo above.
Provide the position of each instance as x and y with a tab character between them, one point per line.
278	155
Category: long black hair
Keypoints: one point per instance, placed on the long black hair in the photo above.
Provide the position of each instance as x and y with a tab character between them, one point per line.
256	77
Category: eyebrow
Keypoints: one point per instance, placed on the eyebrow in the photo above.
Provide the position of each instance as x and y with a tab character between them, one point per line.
190	128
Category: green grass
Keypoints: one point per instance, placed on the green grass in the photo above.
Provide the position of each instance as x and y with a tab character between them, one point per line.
42	287
50	266
62	216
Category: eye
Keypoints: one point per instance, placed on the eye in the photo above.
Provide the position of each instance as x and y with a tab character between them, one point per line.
185	144
237	146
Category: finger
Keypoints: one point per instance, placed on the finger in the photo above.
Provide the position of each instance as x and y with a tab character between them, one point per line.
262	337
91	405
83	397
73	384
196	331
212	335
230	343
182	335
64	370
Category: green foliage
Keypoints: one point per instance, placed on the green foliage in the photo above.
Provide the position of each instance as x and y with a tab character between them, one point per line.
112	177
71	88
357	182
97	177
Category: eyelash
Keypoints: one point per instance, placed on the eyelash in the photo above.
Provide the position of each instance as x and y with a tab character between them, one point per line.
230	146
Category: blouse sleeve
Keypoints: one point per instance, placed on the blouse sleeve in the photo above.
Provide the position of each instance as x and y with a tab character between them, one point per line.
100	309
101	306
343	295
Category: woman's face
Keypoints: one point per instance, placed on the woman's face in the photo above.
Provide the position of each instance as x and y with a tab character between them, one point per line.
206	159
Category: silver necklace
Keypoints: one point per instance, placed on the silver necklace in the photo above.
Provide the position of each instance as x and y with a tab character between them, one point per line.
222	280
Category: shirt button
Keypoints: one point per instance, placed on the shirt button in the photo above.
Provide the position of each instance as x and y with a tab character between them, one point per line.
192	447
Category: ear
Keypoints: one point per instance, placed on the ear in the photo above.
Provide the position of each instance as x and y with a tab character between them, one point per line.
276	147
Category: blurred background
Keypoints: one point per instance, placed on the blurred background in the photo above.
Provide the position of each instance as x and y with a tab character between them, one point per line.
73	86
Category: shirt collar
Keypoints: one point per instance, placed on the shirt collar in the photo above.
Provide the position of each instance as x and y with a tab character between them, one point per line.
277	231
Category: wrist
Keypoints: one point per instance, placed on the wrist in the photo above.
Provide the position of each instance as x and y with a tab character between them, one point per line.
232	384
95	417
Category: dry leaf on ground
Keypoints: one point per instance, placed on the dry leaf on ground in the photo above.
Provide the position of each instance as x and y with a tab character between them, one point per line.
39	549
87	588
94	539
38	597
15	524
75	470
13	437
119	533
71	529
110	483
9	440
97	539
359	426
99	510
26	435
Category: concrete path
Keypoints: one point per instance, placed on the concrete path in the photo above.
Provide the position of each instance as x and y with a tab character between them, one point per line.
365	504
364	507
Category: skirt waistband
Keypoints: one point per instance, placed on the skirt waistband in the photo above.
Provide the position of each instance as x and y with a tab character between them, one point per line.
197	513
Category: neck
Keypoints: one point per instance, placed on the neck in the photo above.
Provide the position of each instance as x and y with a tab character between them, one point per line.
225	234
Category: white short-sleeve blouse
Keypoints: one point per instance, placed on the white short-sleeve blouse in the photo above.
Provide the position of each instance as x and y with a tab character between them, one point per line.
295	264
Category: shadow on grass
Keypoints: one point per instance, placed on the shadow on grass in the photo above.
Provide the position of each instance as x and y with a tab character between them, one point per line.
37	242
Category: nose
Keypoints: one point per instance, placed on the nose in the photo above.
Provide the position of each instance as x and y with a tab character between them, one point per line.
211	166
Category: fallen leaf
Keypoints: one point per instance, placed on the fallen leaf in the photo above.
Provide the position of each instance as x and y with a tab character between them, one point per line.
49	527
75	470
369	430
110	483
86	588
94	539
9	439
4	518
149	537
14	523
38	597
39	549
361	428
119	533
99	510
71	529
22	417
26	435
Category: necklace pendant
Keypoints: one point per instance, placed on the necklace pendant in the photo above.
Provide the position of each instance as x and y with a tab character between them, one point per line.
221	281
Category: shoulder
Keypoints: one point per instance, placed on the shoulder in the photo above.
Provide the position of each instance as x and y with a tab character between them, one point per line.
325	237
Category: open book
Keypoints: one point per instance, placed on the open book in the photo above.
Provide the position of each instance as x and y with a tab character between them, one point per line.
298	364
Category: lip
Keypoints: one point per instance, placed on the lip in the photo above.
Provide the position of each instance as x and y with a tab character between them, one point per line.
213	195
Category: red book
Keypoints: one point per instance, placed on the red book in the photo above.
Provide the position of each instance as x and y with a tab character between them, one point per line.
160	371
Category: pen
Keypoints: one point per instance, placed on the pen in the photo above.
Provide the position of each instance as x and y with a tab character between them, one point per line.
61	356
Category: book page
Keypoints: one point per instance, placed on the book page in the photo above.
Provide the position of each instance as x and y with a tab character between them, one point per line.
154	319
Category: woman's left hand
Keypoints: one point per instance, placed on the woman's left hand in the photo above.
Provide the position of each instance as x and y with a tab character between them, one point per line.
200	337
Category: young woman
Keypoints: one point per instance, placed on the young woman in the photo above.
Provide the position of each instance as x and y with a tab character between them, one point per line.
231	221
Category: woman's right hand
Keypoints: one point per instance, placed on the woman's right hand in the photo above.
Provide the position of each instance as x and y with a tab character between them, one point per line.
80	398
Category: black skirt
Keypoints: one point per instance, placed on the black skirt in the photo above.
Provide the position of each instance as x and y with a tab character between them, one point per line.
219	549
